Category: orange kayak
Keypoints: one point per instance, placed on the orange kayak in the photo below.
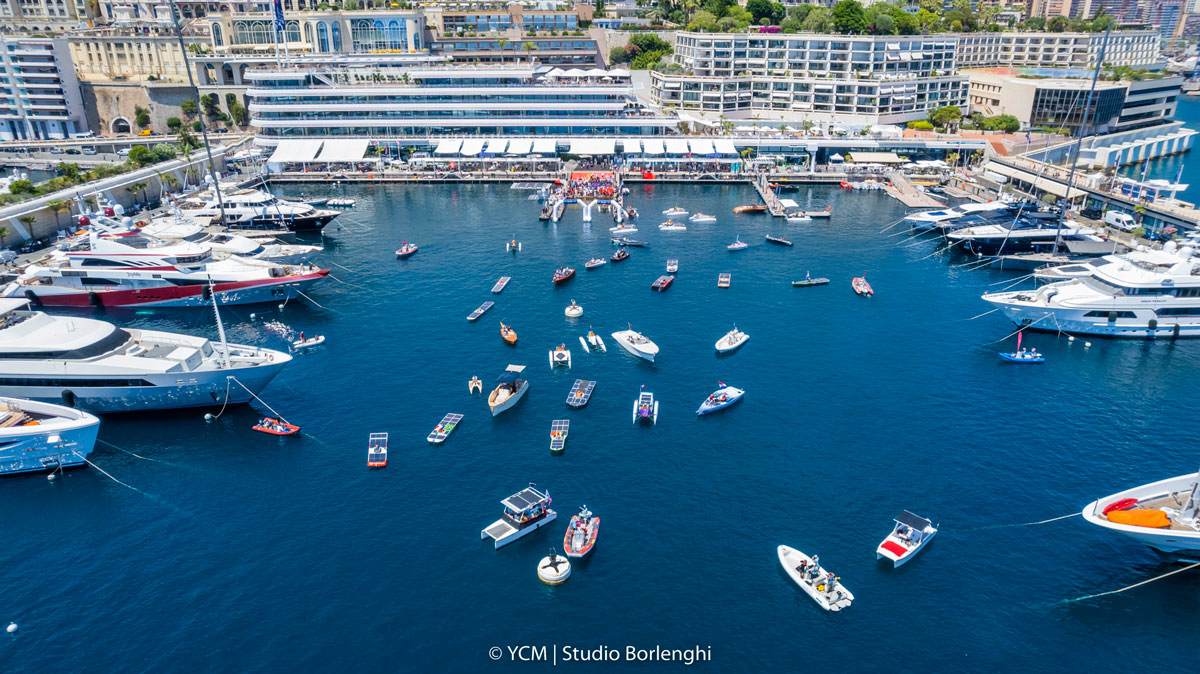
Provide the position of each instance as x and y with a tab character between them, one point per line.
508	334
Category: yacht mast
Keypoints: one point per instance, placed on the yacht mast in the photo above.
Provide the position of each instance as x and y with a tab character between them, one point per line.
220	326
1073	155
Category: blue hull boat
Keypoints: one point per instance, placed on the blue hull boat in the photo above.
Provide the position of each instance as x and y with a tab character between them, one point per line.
720	399
1017	358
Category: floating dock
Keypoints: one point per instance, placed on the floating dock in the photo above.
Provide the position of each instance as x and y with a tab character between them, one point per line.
483	309
581	393
444	428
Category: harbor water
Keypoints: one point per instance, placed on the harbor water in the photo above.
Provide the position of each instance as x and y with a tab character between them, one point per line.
226	550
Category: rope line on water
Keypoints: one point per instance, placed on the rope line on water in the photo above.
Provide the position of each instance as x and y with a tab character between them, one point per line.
120	449
347	282
226	403
936	252
982	315
106	474
1023	524
264	403
301	293
1007	280
1018	330
893	224
1130	587
342	267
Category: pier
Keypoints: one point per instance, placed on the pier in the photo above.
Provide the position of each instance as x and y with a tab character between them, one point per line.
762	185
906	193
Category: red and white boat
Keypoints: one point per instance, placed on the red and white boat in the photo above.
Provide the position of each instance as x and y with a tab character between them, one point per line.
406	249
562	275
136	270
274	426
861	286
581	533
910	534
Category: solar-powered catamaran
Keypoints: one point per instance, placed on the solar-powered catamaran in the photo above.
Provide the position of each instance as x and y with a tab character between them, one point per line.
524	511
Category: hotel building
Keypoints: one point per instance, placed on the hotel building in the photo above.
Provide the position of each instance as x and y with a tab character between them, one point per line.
1133	48
39	94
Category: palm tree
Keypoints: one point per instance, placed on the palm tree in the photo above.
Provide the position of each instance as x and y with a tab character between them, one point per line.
503	45
529	47
4	232
58	206
134	188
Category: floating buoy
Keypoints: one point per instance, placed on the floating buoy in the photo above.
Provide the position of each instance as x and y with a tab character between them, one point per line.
281	307
1087	343
208	416
12	627
51	477
251	316
1070	338
553	570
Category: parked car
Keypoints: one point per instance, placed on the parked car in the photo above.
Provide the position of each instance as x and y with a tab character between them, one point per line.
89	150
1121	221
72	150
144	132
123	152
56	150
1092	213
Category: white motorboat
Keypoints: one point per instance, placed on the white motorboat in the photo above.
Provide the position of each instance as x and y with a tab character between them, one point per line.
645	407
1142	294
732	341
672	266
908	536
176	229
560	355
636	343
675	212
737	244
524	512
798	219
95	366
623	228
573	311
255	209
510	389
670	226
723	397
824	588
1164	515
37	436
303	343
703	217
1027	234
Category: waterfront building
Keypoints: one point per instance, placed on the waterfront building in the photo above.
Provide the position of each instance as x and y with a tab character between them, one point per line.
805	76
1133	48
384	31
44	16
128	54
1059	103
40	98
398	101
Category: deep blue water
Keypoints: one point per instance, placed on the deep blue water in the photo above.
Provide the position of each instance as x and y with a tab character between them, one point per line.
1168	168
241	552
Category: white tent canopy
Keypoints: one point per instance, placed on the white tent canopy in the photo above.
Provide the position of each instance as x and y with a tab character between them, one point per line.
632	146
292	151
343	150
472	146
545	146
448	146
702	146
519	146
593	146
496	146
836	158
677	146
652	146
725	146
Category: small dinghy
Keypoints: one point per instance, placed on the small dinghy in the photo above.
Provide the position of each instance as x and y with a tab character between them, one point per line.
720	399
581	533
275	426
563	274
377	450
303	343
675	212
810	281
559	355
444	428
672	266
756	208
475	385
670	226
645	408
861	286
573	311
824	588
619	255
910	534
508	334
595	263
623	229
703	217
1022	355
737	244
626	241
513	246
554	570
406	249
732	341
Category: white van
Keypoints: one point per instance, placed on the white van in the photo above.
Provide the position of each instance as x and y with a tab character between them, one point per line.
1121	221
123	152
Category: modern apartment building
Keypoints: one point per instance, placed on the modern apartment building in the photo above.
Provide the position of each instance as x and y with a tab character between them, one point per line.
1134	48
393	100
39	94
816	77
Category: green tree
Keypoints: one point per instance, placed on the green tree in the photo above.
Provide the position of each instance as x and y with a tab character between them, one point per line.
529	48
188	107
885	25
819	20
210	104
58	206
618	55
931	6
241	116
141	117
926	20
173	123
22	187
134	188
704	21
231	100
848	18
140	155
1034	23
1057	24
945	116
650	42
906	24
759	9
196	126
800	12
788	25
4	233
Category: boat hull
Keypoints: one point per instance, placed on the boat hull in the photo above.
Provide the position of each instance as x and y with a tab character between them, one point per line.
633	349
1178	542
241	292
517	534
61	444
510	401
734	397
1074	321
790	558
303	223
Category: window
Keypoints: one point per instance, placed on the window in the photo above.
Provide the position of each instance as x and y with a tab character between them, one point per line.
308	34
322	37
218	39
337	36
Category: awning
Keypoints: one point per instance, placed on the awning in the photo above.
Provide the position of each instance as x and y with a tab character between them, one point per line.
448	146
343	150
632	146
520	146
836	158
291	151
652	146
676	146
701	146
725	146
1045	184
472	146
496	146
788	203
593	146
545	146
876	158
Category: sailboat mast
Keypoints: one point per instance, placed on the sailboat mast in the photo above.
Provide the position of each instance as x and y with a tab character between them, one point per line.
1073	155
220	326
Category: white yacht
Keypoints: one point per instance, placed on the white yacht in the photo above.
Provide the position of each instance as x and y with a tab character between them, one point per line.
1137	294
137	270
1164	515
1027	234
255	209
37	436
929	220
174	229
636	343
95	366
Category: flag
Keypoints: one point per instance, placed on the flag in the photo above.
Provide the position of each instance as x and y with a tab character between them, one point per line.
721	384
280	23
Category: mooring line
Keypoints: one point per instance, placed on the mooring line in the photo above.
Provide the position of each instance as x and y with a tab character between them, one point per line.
139	456
1130	587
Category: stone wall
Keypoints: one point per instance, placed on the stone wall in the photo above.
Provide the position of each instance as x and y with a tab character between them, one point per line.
107	101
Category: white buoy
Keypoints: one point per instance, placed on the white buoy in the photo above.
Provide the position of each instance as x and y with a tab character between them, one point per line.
1087	343
554	569
251	316
51	477
1070	338
208	416
281	307
12	628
